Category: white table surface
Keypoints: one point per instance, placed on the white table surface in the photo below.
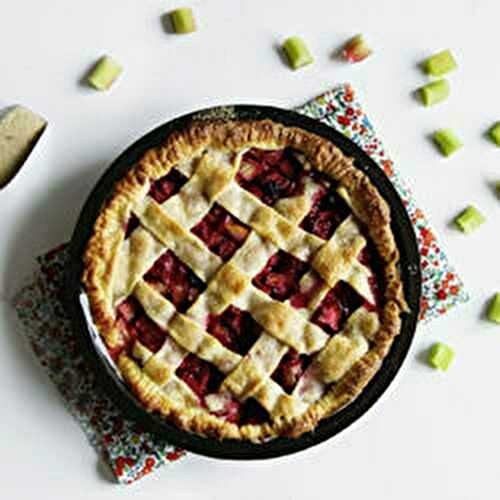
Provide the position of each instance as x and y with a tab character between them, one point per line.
433	435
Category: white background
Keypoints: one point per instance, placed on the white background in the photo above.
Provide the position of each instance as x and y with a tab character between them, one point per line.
433	435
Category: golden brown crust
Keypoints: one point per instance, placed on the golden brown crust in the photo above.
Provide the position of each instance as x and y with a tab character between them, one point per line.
231	137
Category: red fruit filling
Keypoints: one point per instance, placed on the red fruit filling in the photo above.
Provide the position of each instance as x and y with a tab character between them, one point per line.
248	412
135	324
231	410
253	413
328	211
175	281
221	232
235	329
290	369
371	259
306	292
271	175
281	275
132	223
339	303
162	189
204	379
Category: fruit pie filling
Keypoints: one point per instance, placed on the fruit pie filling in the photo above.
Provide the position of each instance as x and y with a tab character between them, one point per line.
270	176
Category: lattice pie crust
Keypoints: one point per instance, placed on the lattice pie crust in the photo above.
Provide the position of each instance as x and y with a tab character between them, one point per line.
160	362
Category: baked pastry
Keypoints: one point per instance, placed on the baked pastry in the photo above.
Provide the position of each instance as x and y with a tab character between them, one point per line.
244	277
20	130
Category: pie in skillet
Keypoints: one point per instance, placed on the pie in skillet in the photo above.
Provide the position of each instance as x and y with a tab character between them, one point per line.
244	277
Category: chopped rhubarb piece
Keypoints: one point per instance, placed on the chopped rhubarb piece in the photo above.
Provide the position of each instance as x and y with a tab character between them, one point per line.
271	175
221	232
339	303
133	223
183	20
441	356
104	73
469	220
447	141
235	329
434	92
281	275
494	133
175	281
290	369
356	50
493	313
202	377
168	185
328	211
439	64
297	53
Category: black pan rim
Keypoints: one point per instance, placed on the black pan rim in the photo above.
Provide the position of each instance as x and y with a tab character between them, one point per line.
234	449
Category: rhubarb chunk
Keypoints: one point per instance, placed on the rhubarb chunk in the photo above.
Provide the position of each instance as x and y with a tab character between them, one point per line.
183	20
441	356
356	50
447	141
469	220
493	313
494	133
105	72
297	53
439	64
434	92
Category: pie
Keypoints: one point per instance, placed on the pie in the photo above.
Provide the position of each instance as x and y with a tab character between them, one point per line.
244	277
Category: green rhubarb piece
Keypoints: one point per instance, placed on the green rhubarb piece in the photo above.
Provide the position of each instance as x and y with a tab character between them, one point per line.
469	220
493	313
497	188
434	92
495	133
441	356
447	141
104	73
439	64
183	20
297	53
20	130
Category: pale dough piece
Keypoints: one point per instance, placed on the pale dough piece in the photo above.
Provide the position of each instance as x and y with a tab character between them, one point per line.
20	129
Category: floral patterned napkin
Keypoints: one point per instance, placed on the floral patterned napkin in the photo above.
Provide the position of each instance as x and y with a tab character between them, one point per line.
130	451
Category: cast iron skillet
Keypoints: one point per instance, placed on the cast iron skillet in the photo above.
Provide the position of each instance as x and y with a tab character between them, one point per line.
107	375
